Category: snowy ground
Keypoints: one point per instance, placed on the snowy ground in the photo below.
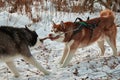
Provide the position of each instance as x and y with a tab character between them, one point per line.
86	64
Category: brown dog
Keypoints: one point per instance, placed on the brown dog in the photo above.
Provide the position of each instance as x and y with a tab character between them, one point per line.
104	29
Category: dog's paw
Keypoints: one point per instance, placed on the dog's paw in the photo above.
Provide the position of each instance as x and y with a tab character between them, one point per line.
62	66
59	65
47	73
16	75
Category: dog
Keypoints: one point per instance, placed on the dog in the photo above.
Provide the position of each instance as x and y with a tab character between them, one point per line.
15	42
67	32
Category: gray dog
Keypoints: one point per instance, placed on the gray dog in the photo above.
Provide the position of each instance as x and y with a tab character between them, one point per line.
15	42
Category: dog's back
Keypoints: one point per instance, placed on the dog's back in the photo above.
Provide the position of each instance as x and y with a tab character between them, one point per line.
105	26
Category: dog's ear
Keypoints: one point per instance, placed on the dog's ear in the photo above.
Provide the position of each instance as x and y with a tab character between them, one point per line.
62	24
29	28
53	23
53	27
88	18
26	27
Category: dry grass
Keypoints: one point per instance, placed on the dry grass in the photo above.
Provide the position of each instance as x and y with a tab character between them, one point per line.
77	6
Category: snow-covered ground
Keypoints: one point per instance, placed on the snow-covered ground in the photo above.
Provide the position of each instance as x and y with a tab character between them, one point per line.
86	64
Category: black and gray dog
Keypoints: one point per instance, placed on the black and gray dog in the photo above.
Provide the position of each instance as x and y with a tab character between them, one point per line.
15	42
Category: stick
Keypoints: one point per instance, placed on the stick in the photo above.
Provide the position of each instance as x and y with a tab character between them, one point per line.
50	37
41	40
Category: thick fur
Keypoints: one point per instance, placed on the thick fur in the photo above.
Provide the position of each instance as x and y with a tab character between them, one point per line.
105	30
15	42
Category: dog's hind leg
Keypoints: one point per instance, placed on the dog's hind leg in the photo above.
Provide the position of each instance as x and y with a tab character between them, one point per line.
101	46
66	50
12	67
70	54
112	43
32	60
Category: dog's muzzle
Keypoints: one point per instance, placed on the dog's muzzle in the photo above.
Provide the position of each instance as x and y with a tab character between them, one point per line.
57	36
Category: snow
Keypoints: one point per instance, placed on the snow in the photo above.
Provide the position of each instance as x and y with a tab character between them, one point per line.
86	64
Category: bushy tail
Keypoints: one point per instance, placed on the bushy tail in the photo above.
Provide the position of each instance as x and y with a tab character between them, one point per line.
107	13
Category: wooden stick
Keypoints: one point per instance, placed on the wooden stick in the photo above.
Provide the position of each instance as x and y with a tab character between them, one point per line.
41	40
50	37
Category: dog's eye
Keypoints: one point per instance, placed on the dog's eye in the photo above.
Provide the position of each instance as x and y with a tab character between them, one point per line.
54	30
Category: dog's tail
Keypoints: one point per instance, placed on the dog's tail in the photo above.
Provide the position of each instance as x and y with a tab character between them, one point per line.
107	13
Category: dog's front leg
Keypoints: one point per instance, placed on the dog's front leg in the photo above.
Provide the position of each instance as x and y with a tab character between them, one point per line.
32	60
73	47
66	50
12	67
68	58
